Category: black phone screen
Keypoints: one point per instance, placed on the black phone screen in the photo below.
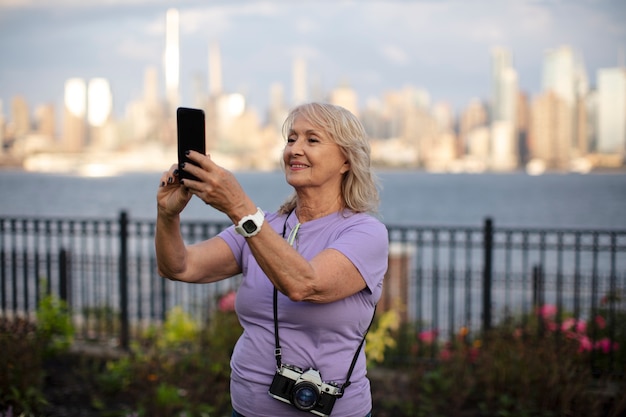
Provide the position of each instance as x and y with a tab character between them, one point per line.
191	136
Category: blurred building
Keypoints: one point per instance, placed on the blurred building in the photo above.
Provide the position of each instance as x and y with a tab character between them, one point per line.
99	114
3	145
564	85
45	121
551	131
21	117
611	116
346	97
299	81
74	114
172	61
504	134
474	116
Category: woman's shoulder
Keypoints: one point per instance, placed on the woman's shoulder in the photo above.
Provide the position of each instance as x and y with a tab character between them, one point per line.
362	218
348	221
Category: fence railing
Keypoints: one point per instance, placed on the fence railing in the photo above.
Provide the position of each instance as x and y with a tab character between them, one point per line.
440	278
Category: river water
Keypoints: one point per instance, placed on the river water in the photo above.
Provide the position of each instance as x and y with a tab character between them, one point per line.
407	197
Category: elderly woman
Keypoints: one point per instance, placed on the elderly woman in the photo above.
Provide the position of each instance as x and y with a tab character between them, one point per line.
312	271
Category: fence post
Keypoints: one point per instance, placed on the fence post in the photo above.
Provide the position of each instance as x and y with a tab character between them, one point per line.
123	280
487	272
537	286
538	295
65	276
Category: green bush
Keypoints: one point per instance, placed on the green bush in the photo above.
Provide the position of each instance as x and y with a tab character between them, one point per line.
178	369
25	345
54	324
536	366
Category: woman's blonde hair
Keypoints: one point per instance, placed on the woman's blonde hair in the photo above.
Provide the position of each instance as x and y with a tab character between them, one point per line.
359	187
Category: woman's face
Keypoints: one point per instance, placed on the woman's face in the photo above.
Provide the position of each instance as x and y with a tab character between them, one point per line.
312	159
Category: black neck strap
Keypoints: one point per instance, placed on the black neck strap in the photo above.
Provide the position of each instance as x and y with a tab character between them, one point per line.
278	352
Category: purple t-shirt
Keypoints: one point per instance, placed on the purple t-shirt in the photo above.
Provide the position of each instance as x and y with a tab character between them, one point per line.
320	336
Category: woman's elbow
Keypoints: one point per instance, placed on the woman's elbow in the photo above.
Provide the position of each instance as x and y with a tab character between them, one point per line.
301	293
168	274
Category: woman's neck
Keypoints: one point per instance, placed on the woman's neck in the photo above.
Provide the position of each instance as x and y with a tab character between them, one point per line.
311	209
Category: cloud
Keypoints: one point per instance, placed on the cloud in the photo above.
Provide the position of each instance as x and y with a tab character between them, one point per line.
442	45
395	54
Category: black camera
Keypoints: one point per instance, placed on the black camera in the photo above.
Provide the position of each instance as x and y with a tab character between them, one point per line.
304	390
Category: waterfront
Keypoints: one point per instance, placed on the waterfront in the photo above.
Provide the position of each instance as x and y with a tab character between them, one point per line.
552	200
407	197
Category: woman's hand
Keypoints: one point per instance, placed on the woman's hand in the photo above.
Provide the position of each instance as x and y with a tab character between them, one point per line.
217	187
172	197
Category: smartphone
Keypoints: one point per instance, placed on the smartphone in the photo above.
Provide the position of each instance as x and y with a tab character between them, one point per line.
190	124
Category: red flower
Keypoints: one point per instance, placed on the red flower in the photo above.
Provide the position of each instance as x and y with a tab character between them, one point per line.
428	336
600	322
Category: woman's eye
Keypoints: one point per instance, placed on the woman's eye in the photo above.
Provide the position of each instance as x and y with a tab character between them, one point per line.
291	140
313	139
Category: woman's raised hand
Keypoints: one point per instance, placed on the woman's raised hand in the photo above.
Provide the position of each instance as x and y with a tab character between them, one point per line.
172	196
216	186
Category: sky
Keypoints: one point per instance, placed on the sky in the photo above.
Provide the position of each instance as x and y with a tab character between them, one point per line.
442	46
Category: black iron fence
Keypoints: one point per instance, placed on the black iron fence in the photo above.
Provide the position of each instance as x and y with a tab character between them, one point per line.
441	278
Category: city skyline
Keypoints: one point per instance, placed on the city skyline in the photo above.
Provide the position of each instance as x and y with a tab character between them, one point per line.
441	47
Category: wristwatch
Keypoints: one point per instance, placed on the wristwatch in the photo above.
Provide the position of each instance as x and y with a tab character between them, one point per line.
250	225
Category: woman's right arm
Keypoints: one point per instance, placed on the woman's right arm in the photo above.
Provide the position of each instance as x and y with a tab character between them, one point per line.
207	261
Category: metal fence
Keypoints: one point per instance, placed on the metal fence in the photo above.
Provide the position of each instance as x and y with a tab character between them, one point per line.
440	278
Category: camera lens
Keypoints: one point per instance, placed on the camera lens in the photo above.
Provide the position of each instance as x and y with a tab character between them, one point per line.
305	395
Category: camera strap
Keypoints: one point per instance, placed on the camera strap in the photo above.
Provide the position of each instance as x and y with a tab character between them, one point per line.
278	352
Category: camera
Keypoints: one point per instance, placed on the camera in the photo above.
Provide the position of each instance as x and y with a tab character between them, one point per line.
304	390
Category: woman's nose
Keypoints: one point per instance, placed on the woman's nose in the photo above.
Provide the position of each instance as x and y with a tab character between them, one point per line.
296	147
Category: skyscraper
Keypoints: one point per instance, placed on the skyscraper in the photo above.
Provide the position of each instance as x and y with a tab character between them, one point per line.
559	72
172	60
551	131
215	69
299	81
564	75
99	109
44	119
21	116
504	133
503	86
99	101
612	111
2	123
74	114
346	97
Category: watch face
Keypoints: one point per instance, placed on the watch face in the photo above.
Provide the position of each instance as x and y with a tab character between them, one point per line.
249	226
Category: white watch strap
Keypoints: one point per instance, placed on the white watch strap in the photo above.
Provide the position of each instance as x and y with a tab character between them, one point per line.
256	218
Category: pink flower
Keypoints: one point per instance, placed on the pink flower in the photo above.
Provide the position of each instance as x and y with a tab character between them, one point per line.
585	344
428	336
581	326
605	345
227	302
546	311
568	324
445	354
552	326
600	322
